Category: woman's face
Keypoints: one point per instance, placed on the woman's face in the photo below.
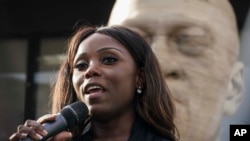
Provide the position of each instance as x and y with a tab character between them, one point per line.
104	76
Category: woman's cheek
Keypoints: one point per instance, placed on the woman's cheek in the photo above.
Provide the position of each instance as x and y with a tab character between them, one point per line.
77	81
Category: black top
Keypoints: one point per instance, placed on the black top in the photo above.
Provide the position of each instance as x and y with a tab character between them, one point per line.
141	131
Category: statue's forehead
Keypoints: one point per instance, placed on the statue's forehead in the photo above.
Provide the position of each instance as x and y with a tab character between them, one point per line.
223	5
220	9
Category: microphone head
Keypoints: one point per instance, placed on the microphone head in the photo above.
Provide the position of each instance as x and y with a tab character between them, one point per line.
75	113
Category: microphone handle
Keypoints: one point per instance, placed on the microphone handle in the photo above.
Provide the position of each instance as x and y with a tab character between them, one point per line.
52	128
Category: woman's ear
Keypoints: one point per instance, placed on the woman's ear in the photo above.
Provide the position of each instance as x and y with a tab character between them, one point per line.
235	89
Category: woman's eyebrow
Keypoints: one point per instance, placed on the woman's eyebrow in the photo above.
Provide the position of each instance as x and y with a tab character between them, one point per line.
110	48
78	56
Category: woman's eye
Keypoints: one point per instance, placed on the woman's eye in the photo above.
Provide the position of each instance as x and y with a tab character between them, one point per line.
108	60
81	66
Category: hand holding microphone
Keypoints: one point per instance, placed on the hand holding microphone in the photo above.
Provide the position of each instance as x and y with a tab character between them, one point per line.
69	116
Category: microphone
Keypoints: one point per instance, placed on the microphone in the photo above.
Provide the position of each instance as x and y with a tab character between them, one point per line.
69	116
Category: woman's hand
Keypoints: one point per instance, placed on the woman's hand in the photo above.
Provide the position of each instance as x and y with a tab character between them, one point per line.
36	131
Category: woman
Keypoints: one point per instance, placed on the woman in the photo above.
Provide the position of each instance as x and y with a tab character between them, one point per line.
116	74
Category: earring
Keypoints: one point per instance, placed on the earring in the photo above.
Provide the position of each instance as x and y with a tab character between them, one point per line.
139	90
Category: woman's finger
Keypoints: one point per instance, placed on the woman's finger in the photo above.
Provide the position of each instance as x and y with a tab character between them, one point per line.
46	118
63	136
34	128
17	136
24	131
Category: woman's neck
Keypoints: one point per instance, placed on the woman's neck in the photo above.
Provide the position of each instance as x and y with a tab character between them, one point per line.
118	128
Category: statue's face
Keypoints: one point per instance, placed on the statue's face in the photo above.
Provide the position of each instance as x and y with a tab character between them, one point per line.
193	41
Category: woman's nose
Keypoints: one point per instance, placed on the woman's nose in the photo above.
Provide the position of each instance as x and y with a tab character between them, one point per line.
93	70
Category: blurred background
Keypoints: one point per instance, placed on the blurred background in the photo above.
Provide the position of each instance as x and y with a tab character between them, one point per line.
33	36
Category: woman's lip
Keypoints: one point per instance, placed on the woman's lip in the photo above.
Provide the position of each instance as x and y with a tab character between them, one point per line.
95	94
93	84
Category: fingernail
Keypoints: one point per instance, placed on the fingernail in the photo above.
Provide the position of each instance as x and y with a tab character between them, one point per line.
39	136
70	135
45	132
24	135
